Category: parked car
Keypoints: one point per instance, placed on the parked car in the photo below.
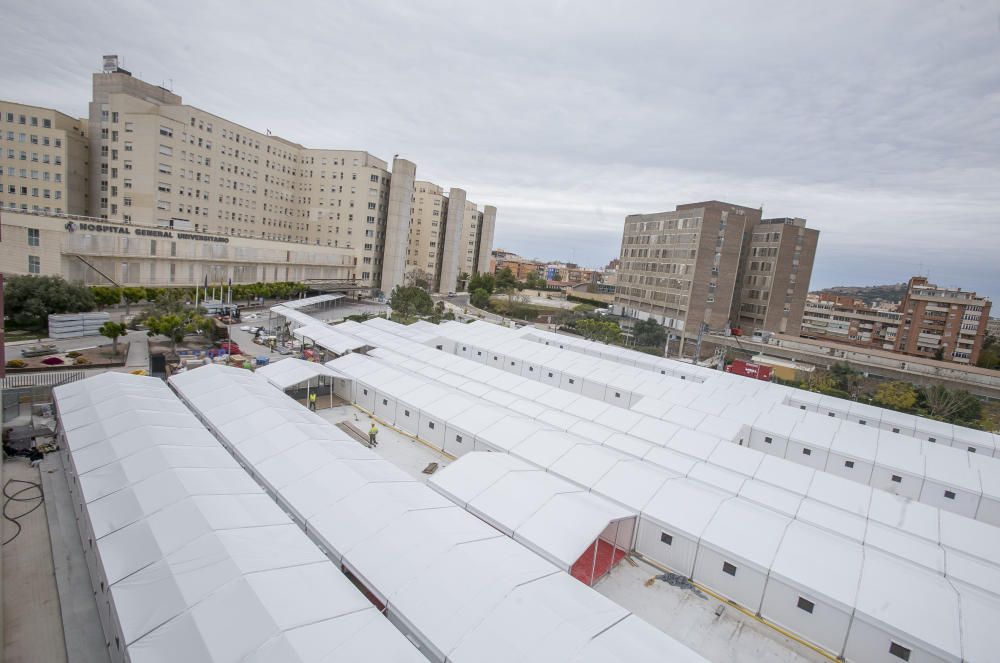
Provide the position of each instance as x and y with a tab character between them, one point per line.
451	294
230	347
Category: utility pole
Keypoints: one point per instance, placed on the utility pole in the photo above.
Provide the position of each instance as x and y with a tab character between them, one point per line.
697	348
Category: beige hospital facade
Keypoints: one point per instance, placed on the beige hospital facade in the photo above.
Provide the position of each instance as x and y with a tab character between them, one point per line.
144	160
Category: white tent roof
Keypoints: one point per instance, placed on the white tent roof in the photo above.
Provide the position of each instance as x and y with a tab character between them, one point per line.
201	564
740	526
820	562
328	337
306	302
292	371
906	598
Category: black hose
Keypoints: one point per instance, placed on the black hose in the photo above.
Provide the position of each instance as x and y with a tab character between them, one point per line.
14	497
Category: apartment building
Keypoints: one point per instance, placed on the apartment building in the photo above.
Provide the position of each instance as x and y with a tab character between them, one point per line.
942	323
774	281
144	157
714	265
43	160
447	237
851	321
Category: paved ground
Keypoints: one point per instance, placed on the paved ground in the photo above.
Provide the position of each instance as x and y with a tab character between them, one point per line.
32	627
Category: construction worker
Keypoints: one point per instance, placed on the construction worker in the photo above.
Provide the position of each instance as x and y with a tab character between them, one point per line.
372	432
312	401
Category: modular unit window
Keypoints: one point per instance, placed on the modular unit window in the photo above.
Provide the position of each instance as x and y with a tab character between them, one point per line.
666	538
768	440
949	494
805	604
531	369
728	568
430	424
972	450
458	438
618	394
830	414
802	407
478	353
550	375
897	479
807	452
365	391
385	401
849	463
572	381
895	430
932	439
899	651
862	422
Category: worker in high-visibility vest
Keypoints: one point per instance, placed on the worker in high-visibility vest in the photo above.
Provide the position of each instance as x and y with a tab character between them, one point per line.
312	401
372	432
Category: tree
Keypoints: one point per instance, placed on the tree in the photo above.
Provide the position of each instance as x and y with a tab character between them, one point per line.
29	300
418	278
411	300
460	282
989	355
951	405
846	378
132	296
896	395
505	281
482	281
604	331
534	281
113	330
480	298
106	296
176	325
649	333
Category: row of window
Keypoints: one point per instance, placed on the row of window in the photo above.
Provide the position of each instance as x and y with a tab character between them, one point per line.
29	121
33	139
34	192
22	155
43	175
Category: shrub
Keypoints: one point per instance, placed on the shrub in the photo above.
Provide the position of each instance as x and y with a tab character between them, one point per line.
53	361
81	361
16	363
73	354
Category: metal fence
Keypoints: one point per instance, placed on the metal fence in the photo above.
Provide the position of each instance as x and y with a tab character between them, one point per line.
47	379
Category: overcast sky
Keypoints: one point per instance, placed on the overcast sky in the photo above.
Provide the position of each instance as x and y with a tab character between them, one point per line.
879	122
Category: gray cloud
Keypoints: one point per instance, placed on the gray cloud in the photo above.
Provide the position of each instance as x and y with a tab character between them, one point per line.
878	122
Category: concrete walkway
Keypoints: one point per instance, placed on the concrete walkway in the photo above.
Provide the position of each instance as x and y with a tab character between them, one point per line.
138	351
80	619
32	627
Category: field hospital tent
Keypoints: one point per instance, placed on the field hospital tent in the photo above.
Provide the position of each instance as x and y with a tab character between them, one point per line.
189	558
459	589
578	531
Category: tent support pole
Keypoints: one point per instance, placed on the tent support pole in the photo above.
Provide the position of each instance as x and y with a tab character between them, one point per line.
593	567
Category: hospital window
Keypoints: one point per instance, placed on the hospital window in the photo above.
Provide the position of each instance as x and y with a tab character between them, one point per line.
807	452
949	494
806	604
666	538
728	568
897	479
899	651
768	440
848	463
